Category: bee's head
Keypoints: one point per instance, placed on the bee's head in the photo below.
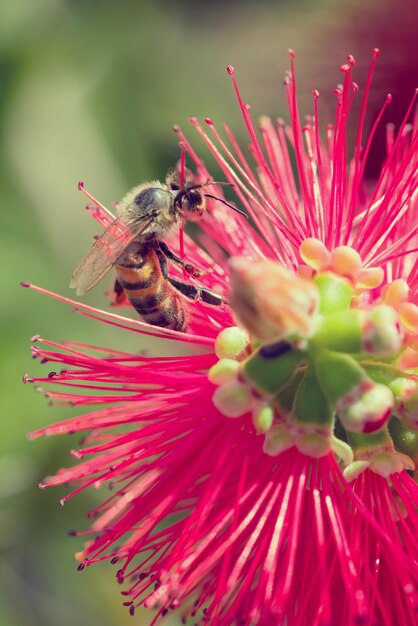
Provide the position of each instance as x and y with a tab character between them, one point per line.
190	198
190	203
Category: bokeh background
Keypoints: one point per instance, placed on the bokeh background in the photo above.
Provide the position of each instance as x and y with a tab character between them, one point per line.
89	90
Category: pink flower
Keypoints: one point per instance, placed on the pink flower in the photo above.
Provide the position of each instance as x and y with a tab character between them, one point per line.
225	465
394	507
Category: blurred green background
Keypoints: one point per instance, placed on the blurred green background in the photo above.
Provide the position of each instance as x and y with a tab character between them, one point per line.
89	90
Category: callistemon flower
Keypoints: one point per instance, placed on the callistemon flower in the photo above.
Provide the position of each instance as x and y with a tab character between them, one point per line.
262	477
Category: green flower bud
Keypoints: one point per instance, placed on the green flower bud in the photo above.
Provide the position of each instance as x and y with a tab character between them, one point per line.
277	440
375	332
406	401
382	333
223	371
387	463
315	445
367	408
263	416
354	470
376	452
231	343
233	399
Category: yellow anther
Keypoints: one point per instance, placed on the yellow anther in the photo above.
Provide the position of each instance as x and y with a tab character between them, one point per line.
370	278
315	254
408	313
346	261
396	293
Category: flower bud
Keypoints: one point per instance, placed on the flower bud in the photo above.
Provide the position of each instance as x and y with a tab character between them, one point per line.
277	440
376	332
223	371
233	399
354	470
270	301
315	445
382	332
263	416
387	463
366	408
231	343
376	452
406	401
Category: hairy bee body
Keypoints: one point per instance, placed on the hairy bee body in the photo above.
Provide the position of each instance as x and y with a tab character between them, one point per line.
139	274
133	245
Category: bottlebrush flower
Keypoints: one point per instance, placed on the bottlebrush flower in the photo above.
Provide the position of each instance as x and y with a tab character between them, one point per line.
225	466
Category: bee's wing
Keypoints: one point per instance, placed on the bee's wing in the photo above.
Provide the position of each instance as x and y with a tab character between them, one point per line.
102	256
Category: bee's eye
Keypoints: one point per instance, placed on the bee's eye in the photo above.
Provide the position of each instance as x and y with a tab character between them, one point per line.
194	197
174	186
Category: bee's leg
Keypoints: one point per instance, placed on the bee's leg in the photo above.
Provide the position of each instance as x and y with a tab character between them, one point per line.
190	269
197	293
162	261
190	291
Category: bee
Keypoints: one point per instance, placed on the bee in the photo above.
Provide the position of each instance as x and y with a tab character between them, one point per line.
132	245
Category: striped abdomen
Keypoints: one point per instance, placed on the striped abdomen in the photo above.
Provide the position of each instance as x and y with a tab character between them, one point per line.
154	299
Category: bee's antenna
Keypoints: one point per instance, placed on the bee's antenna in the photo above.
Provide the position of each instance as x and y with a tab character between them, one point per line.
209	182
218	182
231	206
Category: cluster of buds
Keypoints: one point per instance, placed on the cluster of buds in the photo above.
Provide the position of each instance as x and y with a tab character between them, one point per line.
319	357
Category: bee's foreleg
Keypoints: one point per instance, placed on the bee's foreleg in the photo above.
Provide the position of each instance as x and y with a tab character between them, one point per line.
197	293
191	292
190	269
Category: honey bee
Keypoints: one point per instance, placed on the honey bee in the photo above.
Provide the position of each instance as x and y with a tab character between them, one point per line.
132	245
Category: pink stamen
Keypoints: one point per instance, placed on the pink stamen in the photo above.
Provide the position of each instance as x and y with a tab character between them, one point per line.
127	324
103	215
